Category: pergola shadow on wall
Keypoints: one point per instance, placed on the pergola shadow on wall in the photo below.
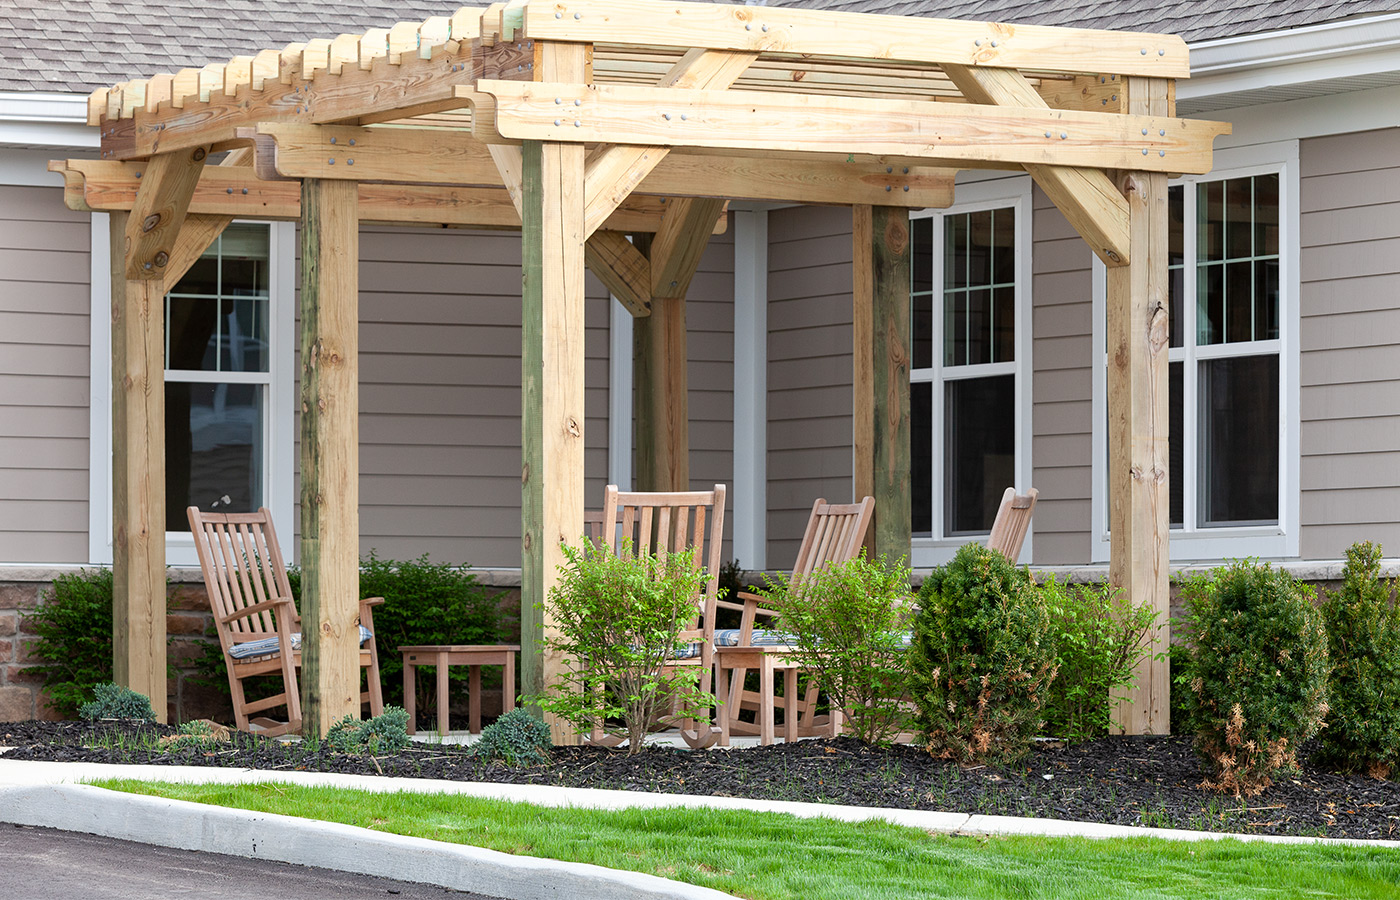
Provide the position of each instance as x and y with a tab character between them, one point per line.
612	133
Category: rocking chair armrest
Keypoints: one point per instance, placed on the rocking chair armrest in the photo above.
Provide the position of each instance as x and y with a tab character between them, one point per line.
725	604
752	600
367	605
267	605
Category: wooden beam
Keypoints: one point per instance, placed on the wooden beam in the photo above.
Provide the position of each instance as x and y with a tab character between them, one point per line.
623	270
1094	93
159	210
330	455
855	35
662	413
889	265
104	185
863	358
761	121
1138	425
138	477
679	244
552	415
613	172
1091	203
424	156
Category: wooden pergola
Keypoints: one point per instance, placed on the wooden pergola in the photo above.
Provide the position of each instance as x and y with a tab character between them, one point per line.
584	123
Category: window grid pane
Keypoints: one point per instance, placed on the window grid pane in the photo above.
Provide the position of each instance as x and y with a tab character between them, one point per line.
979	296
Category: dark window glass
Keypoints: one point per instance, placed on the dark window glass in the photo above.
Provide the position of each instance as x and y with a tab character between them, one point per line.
955	252
1176	467
921	455
921	234
1266	215
979	247
1004	245
923	330
1239	218
955	329
1176	263
1239	440
1004	320
979	450
213	449
1266	300
1239	301
191	333
979	327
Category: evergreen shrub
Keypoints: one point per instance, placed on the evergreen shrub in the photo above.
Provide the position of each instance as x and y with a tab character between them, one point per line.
981	659
112	701
384	733
74	626
517	739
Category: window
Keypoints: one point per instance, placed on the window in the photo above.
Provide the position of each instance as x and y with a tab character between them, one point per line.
229	384
970	333
1231	361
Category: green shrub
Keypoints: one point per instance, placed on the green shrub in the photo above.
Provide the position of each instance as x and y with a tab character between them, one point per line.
619	619
1363	692
517	738
1179	658
980	658
1099	638
200	734
1259	662
850	624
384	733
74	627
113	701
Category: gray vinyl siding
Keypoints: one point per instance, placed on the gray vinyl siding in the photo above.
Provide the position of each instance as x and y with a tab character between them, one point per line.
44	386
809	370
440	394
1061	387
1349	343
709	323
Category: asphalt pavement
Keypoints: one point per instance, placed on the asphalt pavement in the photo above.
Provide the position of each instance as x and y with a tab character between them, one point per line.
46	864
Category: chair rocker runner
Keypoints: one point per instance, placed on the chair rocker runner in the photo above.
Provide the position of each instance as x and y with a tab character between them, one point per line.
257	621
835	534
672	522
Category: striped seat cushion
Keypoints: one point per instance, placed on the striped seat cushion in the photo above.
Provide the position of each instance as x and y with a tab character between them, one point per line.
761	637
267	646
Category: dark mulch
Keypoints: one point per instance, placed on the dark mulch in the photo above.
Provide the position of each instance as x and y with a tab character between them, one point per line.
1151	781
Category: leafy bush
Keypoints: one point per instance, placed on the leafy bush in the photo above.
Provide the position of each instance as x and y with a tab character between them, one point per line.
384	733
980	658
1259	659
74	627
517	738
1363	642
1099	638
1179	659
850	624
200	734
619	619
116	702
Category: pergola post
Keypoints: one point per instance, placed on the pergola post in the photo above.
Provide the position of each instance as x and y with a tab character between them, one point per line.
330	454
1138	426
552	374
880	317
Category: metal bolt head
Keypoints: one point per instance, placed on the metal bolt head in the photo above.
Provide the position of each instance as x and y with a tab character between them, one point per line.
349	162
906	189
352	142
1161	53
683	117
765	27
332	140
977	43
230	190
1162	132
558	100
888	188
1144	151
1144	131
138	174
994	43
1144	51
331	161
748	28
578	16
1063	135
558	122
146	266
578	103
558	15
245	190
577	123
906	170
666	116
1161	153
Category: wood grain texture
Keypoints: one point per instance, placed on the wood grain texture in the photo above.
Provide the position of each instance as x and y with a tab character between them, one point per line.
552	373
330	486
890	261
138	477
159	210
854	35
679	243
1138	425
863	356
766	121
622	268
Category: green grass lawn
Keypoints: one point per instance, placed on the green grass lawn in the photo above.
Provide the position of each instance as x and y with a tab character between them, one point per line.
771	856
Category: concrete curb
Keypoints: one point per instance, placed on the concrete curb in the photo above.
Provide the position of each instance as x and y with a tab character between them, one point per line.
327	845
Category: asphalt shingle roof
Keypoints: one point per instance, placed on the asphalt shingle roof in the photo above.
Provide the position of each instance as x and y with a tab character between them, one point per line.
78	45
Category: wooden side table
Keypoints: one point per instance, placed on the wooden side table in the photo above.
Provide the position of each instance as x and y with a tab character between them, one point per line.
444	656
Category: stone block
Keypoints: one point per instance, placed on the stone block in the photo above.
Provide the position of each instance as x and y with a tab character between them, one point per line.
199	701
185	623
25	652
183	653
16	703
191	597
23	675
47	712
21	596
7	650
9	624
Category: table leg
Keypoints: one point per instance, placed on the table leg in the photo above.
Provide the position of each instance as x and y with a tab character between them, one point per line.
410	694
508	684
789	703
442	693
765	701
474	698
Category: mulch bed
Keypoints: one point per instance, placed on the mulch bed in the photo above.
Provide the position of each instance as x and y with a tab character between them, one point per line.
1152	781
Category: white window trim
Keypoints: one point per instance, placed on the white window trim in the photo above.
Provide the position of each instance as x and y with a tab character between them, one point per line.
619	395
937	549
1207	544
279	422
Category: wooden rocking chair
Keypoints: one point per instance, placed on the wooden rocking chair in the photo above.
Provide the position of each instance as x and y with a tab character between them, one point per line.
257	621
1012	523
834	534
673	522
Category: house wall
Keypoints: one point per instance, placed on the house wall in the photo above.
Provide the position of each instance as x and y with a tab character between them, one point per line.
44	400
809	370
1350	342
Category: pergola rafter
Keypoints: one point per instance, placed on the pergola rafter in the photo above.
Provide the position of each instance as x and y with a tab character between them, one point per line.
612	132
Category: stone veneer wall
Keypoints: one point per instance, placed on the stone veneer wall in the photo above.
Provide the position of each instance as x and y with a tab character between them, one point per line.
187	621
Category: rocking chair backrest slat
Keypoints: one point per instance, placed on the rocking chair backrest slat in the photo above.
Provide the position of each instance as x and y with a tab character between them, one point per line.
243	566
834	534
1012	522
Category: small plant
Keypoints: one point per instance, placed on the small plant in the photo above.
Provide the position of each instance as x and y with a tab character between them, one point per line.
517	738
113	701
74	627
620	618
201	735
1363	643
1259	663
1179	661
384	733
850	625
981	661
1099	638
